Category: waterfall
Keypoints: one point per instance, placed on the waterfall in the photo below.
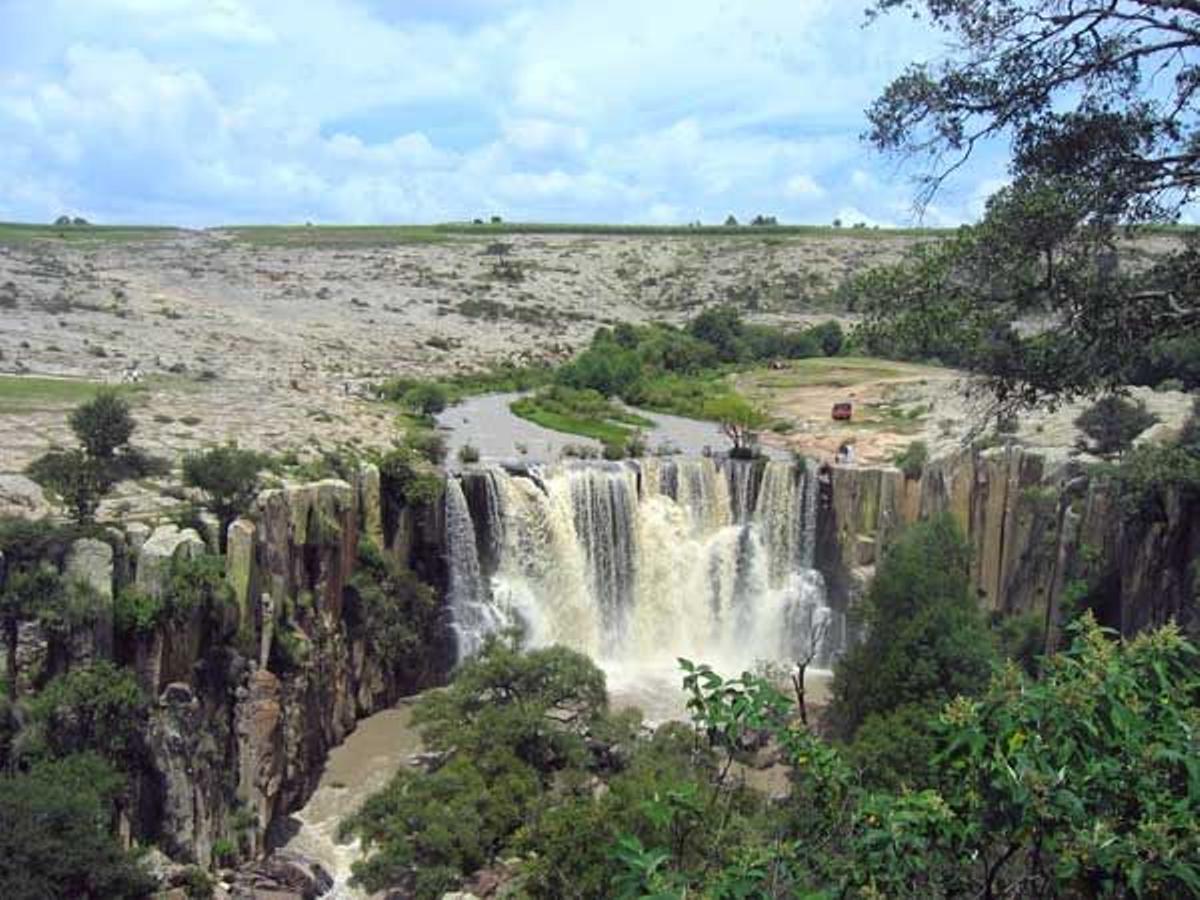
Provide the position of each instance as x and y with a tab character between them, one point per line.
637	563
473	616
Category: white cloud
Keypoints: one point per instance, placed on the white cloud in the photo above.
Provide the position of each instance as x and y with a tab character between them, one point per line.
212	111
803	186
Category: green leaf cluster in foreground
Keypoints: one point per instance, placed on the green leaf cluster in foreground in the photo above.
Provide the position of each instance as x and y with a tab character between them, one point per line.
1083	780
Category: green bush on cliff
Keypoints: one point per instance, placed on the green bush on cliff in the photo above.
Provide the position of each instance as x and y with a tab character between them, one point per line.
229	476
54	834
190	584
98	708
408	478
926	640
397	613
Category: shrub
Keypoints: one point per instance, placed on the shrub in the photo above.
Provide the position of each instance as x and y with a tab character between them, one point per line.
76	478
429	444
1113	422
468	454
55	842
408	478
228	476
926	639
99	708
103	424
427	398
911	461
830	336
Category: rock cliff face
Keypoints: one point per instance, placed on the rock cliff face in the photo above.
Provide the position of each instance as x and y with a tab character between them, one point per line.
248	701
1033	528
250	693
246	717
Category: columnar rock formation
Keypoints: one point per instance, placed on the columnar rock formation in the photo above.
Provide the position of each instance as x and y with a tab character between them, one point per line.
248	701
1033	529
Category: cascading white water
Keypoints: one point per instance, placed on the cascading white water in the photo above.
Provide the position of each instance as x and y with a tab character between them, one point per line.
638	563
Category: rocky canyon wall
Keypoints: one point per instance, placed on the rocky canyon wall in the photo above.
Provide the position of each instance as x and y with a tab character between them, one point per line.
247	702
1035	530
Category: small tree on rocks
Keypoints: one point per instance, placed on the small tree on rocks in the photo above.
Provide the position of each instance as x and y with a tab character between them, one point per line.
104	424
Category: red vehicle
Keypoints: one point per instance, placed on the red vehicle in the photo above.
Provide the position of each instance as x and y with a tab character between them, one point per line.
843	411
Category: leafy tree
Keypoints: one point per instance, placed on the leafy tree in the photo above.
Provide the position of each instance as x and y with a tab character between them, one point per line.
720	326
926	641
507	724
78	480
104	424
1113	422
739	421
408	478
99	709
1096	143
229	476
427	398
55	839
830	336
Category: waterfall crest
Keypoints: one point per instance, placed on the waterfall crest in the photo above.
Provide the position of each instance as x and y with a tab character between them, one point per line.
636	563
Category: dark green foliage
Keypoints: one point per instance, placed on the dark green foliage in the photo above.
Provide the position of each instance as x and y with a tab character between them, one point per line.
1096	144
228	475
76	478
408	478
1113	422
54	834
721	328
1086	779
605	368
926	641
1147	475
509	721
99	708
468	454
104	424
427	398
396	612
1081	783
192	584
1168	359
912	459
429	444
830	337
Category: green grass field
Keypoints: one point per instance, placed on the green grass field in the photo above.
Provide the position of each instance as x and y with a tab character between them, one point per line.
335	235
383	235
21	394
21	233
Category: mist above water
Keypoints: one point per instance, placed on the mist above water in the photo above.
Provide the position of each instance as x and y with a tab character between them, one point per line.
638	563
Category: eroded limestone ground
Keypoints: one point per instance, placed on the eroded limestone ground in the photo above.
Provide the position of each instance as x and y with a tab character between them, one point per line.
277	346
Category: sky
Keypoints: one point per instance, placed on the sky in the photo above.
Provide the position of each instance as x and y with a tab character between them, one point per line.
210	112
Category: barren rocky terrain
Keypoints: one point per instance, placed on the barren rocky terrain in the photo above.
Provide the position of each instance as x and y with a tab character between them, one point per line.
275	339
276	346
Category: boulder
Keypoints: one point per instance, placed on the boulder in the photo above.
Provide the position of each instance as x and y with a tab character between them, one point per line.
282	876
167	543
22	498
136	534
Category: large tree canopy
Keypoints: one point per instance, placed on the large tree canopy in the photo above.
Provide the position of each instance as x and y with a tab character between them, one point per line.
1099	99
1101	91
